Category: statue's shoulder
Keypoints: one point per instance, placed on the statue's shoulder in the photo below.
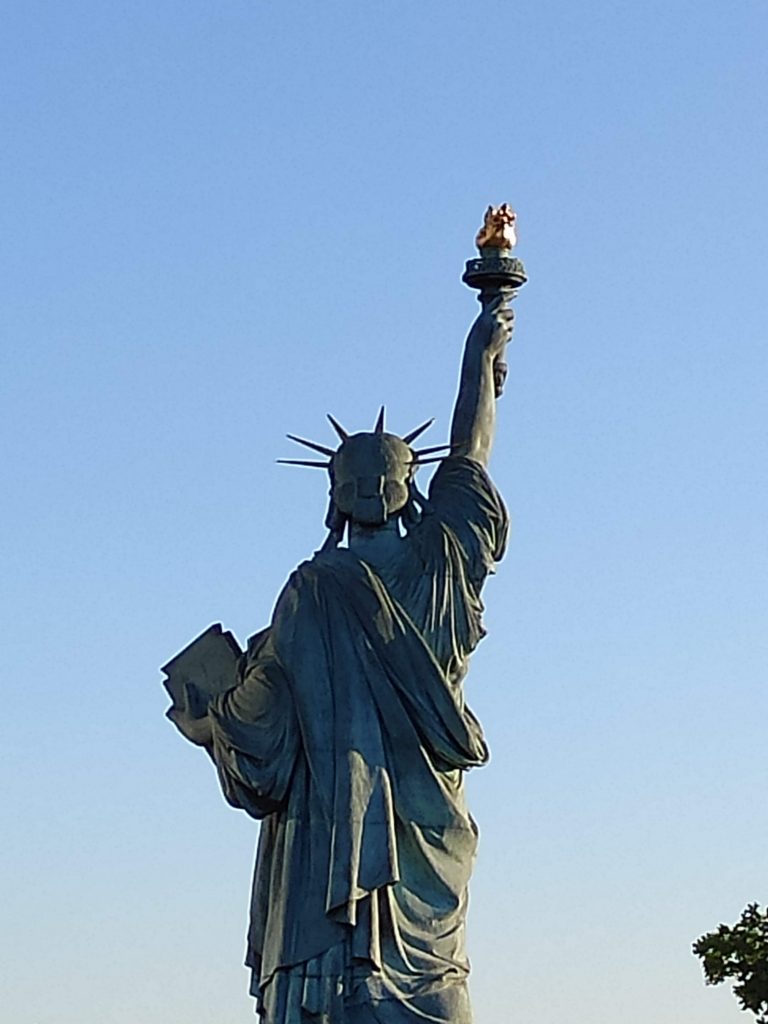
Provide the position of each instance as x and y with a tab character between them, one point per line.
335	563
461	471
462	486
464	499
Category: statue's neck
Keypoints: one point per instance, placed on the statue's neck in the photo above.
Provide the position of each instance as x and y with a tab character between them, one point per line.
376	545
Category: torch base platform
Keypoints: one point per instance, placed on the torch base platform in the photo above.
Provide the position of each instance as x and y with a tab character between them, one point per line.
494	271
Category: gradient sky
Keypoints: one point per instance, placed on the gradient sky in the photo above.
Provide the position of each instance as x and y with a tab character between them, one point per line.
219	221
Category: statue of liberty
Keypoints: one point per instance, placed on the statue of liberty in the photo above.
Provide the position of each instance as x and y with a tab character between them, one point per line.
344	728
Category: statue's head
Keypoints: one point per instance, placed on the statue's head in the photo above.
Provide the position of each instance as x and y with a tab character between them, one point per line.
372	476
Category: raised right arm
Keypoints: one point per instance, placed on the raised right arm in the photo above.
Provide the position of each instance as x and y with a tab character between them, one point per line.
474	415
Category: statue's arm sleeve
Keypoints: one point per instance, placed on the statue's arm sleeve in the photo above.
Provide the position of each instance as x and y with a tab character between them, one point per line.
255	735
465	500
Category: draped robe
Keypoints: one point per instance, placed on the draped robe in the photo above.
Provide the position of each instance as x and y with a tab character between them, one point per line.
348	736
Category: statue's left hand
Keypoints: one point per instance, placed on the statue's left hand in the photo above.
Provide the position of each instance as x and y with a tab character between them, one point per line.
192	719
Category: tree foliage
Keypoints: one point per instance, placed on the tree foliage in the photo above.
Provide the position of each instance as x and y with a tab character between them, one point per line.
740	952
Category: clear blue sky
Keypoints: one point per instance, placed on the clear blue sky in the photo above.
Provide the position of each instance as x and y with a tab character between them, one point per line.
220	220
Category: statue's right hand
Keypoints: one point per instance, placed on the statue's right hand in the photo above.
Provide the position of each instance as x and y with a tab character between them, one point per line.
493	328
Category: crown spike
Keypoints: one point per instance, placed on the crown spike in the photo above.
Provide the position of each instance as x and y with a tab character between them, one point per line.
419	430
343	435
315	464
418	452
379	428
311	444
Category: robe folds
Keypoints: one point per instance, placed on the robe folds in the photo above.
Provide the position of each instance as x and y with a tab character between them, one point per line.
348	736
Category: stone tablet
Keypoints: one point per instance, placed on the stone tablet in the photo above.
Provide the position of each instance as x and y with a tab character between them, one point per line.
209	663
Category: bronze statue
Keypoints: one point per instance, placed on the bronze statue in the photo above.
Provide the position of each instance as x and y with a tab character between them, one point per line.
343	727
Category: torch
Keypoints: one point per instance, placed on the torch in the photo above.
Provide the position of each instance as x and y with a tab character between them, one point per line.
496	271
